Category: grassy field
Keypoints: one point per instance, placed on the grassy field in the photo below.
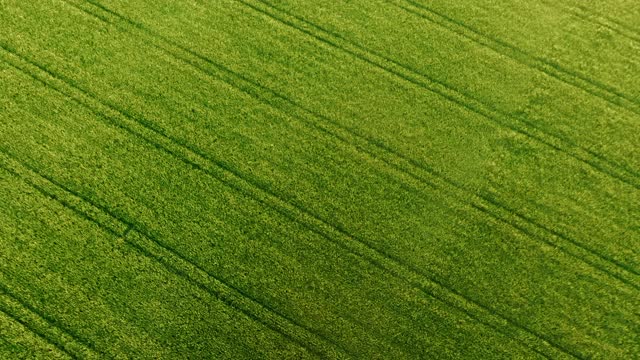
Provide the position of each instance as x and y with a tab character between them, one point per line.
262	179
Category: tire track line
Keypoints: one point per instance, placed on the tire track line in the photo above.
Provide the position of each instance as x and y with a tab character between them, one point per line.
52	190
567	76
462	99
479	109
488	113
483	208
233	297
43	186
302	329
136	26
33	330
584	13
553	69
63	338
148	245
332	128
496	45
505	49
263	195
576	243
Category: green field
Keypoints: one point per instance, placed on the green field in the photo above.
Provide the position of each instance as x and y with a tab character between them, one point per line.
263	179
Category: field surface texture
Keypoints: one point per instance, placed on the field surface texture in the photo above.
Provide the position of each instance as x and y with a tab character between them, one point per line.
287	179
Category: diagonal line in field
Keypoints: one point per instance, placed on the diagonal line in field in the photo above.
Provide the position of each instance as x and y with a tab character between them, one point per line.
148	245
395	266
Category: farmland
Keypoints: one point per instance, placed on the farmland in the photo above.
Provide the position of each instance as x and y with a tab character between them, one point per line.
264	179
